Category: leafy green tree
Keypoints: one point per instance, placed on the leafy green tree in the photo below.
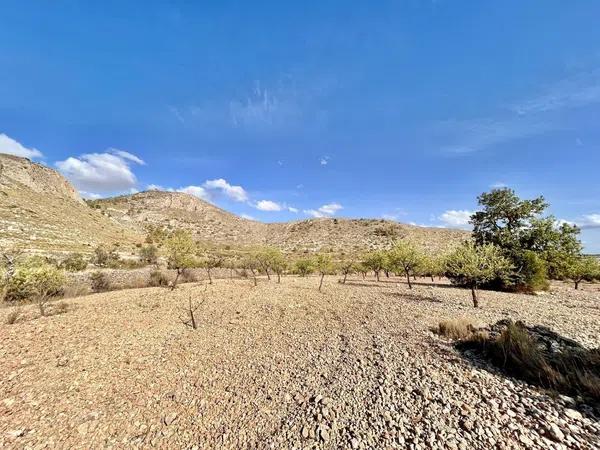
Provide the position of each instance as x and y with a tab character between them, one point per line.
406	257
250	264
375	261
473	265
181	251
583	268
210	261
516	226
324	266
303	267
33	279
431	266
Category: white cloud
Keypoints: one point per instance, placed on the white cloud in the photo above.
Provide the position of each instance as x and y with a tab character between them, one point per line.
247	217
12	147
499	185
327	210
324	160
292	209
456	218
197	191
589	221
236	193
268	205
158	187
100	172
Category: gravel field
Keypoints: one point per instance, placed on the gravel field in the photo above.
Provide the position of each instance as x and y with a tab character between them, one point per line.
283	366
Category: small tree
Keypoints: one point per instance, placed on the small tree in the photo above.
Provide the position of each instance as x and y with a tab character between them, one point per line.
33	279
104	257
210	262
264	257
149	254
278	263
406	257
375	261
181	249
303	267
471	266
347	267
324	266
249	263
431	266
583	268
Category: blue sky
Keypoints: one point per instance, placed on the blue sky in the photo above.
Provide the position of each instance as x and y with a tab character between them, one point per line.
287	110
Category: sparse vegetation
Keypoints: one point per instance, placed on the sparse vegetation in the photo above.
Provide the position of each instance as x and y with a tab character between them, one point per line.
346	267
456	328
149	254
582	268
405	257
13	315
181	250
31	279
375	261
324	266
303	267
158	279
99	282
106	257
75	262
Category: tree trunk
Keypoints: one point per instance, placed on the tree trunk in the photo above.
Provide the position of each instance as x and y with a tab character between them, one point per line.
174	285
364	275
387	274
209	277
254	276
267	272
577	284
432	279
408	279
278	277
345	275
321	283
377	274
474	295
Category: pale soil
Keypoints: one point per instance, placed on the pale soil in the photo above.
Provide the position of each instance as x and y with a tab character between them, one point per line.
281	366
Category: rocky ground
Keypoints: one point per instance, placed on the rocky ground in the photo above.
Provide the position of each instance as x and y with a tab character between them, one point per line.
282	366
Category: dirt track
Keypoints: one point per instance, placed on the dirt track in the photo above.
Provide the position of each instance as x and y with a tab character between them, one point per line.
281	366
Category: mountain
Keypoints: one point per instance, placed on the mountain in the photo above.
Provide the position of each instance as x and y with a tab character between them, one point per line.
214	225
41	211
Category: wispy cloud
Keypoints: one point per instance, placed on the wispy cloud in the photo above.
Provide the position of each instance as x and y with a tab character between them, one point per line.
576	91
11	147
589	221
324	160
219	185
268	205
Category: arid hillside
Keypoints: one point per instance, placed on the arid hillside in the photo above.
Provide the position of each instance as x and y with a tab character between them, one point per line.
41	211
212	224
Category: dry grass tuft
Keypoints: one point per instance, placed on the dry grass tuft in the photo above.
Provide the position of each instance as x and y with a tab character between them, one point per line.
525	353
456	328
13	316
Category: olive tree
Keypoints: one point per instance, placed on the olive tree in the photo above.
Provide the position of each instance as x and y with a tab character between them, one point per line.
431	266
406	257
181	251
472	265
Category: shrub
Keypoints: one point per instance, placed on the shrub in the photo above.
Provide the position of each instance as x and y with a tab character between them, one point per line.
456	328
149	254
181	250
99	282
158	279
303	267
32	279
106	257
534	272
13	316
75	262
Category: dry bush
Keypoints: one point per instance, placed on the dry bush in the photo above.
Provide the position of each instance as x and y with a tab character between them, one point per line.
189	277
541	357
99	282
158	279
13	316
60	308
456	328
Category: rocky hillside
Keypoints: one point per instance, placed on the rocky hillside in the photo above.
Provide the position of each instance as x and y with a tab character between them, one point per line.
41	211
212	224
